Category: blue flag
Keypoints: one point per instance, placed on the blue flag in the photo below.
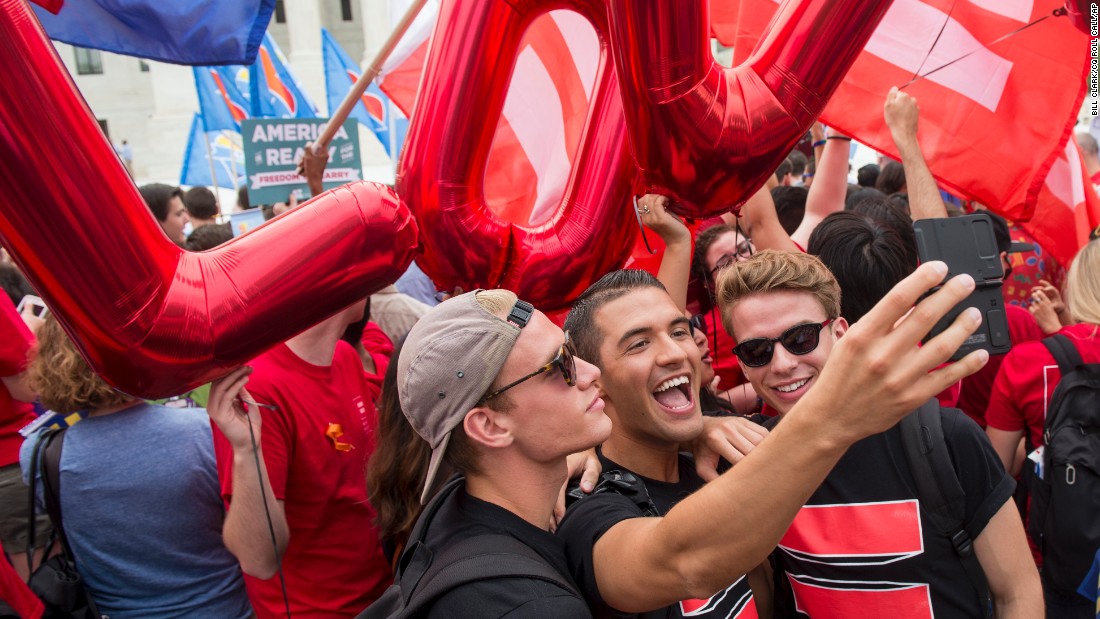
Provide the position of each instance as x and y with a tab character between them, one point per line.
227	153
273	90
192	32
223	106
375	112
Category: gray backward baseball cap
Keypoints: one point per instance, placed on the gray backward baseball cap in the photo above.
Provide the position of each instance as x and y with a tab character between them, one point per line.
449	360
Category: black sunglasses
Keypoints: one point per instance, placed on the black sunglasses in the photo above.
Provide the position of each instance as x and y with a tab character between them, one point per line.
798	340
698	324
563	361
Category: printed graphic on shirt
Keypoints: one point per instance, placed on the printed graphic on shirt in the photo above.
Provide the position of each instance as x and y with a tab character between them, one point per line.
818	597
734	602
364	415
856	533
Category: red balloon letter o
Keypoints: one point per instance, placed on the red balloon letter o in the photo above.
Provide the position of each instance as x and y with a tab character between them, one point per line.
442	168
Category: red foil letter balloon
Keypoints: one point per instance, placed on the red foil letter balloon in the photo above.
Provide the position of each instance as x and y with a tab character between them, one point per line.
442	169
709	136
152	319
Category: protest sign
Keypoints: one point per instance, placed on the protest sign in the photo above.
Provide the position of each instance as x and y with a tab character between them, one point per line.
273	147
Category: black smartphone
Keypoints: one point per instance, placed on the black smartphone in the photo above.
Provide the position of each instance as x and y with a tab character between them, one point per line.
967	245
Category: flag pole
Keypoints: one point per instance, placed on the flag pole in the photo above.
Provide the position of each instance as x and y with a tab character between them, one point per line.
360	86
213	173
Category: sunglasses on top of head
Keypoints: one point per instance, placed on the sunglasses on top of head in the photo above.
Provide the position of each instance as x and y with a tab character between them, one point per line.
798	340
563	361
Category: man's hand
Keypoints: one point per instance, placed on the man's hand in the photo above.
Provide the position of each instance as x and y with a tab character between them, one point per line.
312	166
877	373
226	410
653	209
731	438
901	113
585	465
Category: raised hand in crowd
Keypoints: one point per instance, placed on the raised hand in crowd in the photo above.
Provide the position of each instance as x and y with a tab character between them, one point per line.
675	268
830	186
1042	308
1051	293
902	115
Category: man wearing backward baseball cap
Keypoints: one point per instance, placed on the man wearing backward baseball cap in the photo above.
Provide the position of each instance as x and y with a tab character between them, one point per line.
493	386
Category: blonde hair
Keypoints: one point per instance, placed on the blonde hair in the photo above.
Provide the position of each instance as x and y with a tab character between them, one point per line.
772	270
497	302
1083	284
64	381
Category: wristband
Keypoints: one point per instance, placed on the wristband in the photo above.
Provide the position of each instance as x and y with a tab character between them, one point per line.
819	143
839	137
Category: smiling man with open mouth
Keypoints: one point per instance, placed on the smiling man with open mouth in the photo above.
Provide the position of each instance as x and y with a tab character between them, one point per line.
651	369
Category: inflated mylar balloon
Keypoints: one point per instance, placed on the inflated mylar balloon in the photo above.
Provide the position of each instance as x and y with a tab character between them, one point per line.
442	168
1080	13
152	319
709	136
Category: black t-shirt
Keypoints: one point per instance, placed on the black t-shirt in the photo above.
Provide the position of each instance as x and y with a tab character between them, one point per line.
589	518
862	545
462	516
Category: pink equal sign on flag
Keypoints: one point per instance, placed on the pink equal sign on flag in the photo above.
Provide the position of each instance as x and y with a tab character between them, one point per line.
995	119
544	112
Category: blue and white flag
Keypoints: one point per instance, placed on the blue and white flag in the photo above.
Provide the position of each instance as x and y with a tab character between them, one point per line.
222	105
375	112
274	91
227	154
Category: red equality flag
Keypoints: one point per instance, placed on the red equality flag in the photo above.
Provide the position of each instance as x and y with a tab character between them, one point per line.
994	124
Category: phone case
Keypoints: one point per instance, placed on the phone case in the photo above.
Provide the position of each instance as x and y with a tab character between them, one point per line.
967	245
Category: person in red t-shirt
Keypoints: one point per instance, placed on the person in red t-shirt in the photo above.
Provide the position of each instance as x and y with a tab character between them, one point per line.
318	433
1029	373
1026	382
16	341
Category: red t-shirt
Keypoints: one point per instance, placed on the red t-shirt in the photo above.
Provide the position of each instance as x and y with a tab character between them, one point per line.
1026	382
333	565
974	398
15	343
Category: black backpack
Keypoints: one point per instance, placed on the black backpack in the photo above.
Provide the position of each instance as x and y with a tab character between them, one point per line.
424	575
1064	514
939	490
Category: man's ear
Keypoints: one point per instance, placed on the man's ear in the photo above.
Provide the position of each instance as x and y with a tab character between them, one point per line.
488	427
840	327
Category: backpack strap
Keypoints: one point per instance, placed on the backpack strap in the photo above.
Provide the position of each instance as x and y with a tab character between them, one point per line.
1068	359
485	557
938	487
1064	352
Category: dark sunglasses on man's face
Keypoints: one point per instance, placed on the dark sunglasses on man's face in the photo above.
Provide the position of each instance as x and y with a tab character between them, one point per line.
798	340
562	361
698	325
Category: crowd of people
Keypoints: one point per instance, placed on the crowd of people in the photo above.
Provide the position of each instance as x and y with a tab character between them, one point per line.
761	428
